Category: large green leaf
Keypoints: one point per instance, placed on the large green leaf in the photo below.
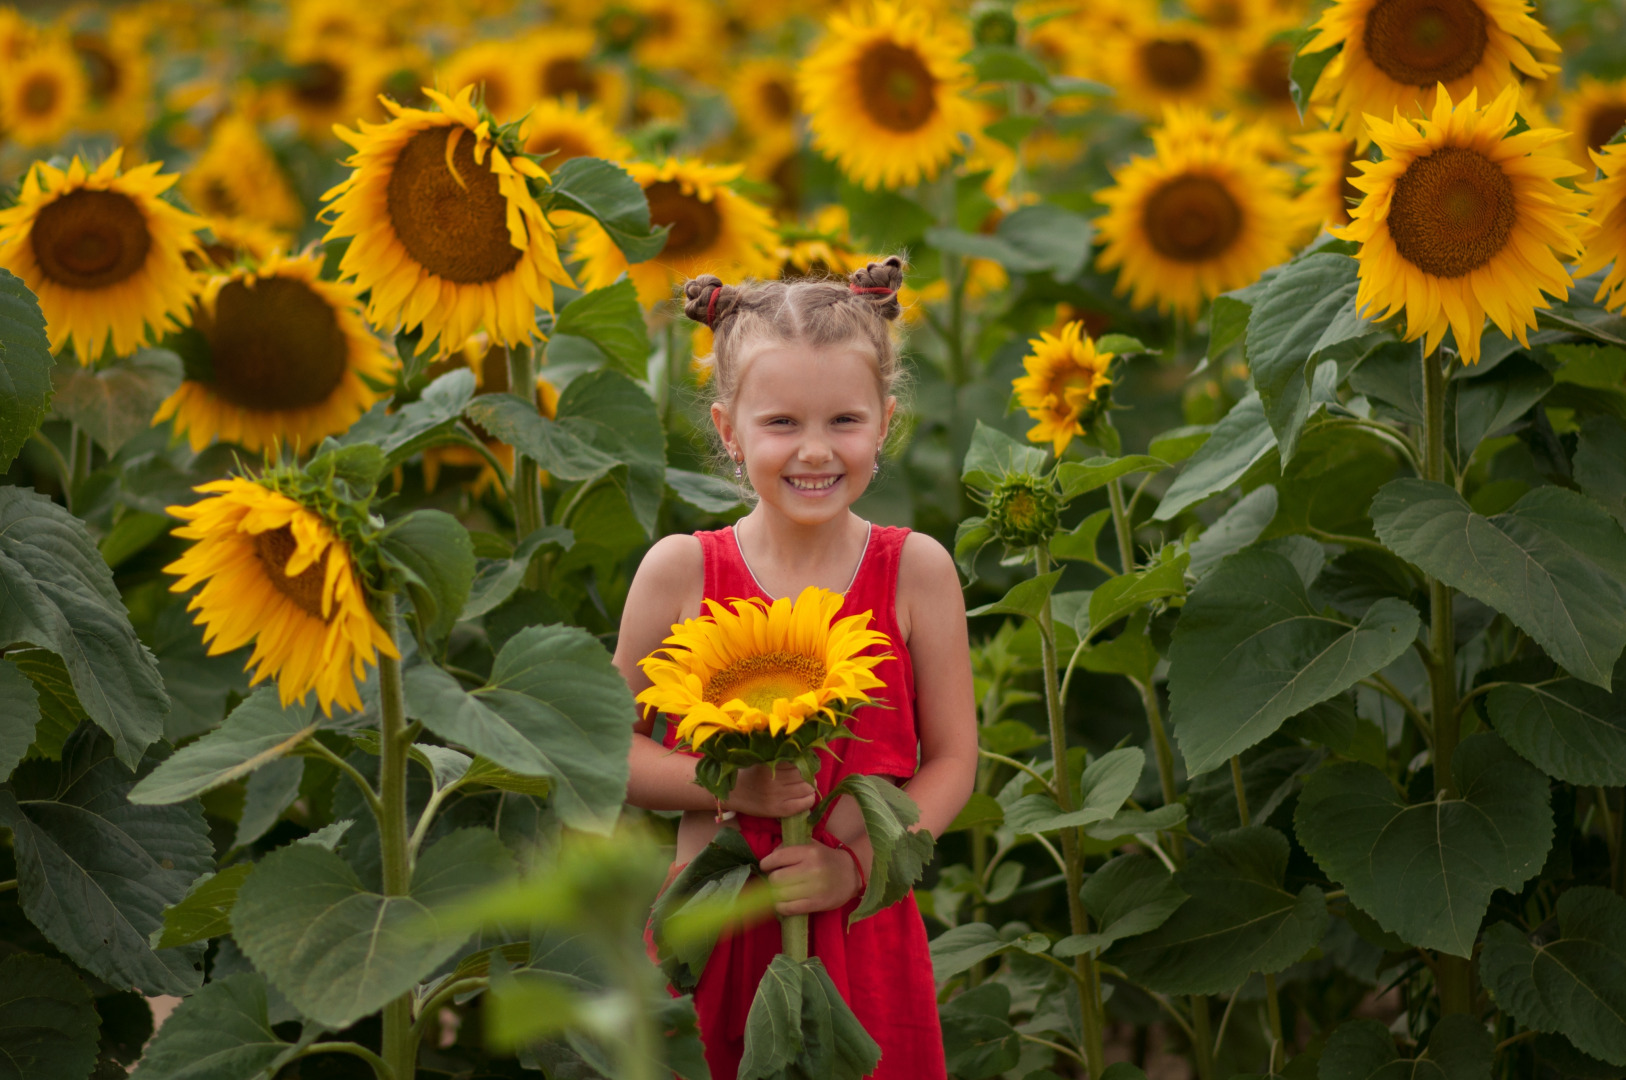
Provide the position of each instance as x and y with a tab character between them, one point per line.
60	711
57	593
258	731
339	951
1131	894
1121	595
1574	983
555	706
607	193
613	321
205	911
267	793
716	875
705	492
1079	477
433	553
1026	598
1251	650
223	1032
95	872
1459	1048
114	403
1103	787
19	718
498	579
799	1026
1477	407
1600	463
429	420
1235	529
994	455
25	366
48	1021
1568	729
900	854
959	948
1240	439
1239	920
614	415
1426	871
1555	564
199	685
560	449
978	1039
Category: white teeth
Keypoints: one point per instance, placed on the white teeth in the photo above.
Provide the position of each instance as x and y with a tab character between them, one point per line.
812	485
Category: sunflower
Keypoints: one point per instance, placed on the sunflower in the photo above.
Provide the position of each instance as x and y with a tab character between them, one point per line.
233	240
675	34
328	86
777	160
489	67
277	574
118	80
1462	220
1606	225
560	130
764	95
325	24
1201	216
1153	64
819	248
237	176
1064	385
1328	159
17	35
446	234
400	75
562	65
1263	88
762	667
288	360
1395	52
1592	113
1229	16
105	254
42	94
715	230
885	95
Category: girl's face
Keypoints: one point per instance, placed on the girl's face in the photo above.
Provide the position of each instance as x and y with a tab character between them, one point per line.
809	423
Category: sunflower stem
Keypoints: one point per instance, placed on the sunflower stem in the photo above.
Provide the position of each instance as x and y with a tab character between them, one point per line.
1089	985
81	451
400	1047
1272	1006
1120	525
1202	1037
526	490
796	829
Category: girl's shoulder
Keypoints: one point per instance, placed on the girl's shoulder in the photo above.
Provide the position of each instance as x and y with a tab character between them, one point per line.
671	577
928	584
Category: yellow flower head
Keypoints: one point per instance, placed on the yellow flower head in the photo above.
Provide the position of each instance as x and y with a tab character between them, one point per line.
1063	385
1156	64
560	130
1328	159
1592	113
561	64
764	95
489	66
1606	228
1462	220
236	176
445	233
105	255
275	573
42	93
755	666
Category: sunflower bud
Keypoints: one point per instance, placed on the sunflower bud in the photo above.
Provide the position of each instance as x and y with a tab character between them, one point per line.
1023	511
992	23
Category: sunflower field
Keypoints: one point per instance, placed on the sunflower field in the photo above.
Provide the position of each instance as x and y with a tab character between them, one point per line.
1267	381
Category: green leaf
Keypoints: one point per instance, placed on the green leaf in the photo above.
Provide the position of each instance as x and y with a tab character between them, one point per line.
961	947
113	404
1586	317
1238	527
48	1021
199	685
1600	464
800	1026
60	596
979	809
560	449
19	718
978	1039
205	911
60	712
1106	783
1178	444
1242	438
1227	325
1568	729
25	366
1079	544
492	775
258	731
1006	63
611	319
900	854
1459	1048
1303	72
970	537
1009	737
498	579
1426	871
1130	895
1306	309
431	549
425	422
1132	823
994	455
715	876
614	415
1055	238
1251	650
702	491
609	195
1078	477
1026	598
223	1032
338	951
555	706
971	245
1240	919
1118	596
95	872
1477	407
1555	564
1573	984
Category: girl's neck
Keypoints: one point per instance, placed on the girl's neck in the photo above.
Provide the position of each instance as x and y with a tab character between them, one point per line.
786	557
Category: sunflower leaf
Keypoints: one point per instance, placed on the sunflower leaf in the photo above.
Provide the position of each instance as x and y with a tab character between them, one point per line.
431	549
994	455
1459	1048
205	911
900	853
1242	438
1568	729
115	403
1079	477
1305	70
617	417
48	1022
608	193
800	1025
556	447
19	718
258	731
25	366
223	1032
612	320
715	876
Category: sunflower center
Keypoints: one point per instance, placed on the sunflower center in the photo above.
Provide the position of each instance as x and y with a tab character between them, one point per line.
896	87
786	176
568	75
695	224
1226	14
91	239
101	71
563	145
319	84
274	345
1452	212
1602	125
40	94
1267	75
761	680
1173	63
777	101
217	199
1422	42
453	221
275	547
1192	218
493	91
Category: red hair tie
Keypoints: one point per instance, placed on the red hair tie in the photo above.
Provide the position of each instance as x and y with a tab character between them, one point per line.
711	306
859	289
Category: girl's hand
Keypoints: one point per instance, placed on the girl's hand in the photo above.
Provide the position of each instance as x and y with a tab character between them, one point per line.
810	877
762	791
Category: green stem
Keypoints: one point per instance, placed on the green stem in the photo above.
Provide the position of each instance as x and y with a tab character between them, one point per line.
796	829
7	886
954	270
1120	524
64	471
1202	1037
366	789
381	1069
1272	1006
1241	791
1057	1047
526	490
1164	751
399	1045
81	451
432	1007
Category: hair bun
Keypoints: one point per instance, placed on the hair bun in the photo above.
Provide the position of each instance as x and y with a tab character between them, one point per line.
880	282
706	300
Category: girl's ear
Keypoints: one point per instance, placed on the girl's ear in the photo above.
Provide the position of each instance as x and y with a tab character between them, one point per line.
887	410
725	428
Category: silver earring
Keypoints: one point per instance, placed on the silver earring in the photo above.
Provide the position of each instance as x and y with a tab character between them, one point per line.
876	471
739	468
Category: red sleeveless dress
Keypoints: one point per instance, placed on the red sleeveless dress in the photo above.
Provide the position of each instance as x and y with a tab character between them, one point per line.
881	964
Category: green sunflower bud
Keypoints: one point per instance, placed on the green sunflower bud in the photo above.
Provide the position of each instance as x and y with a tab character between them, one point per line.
992	23
1023	511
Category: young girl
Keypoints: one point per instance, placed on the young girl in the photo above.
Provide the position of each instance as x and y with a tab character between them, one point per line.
804	373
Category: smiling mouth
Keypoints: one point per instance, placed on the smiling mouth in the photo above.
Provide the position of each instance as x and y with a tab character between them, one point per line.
809	484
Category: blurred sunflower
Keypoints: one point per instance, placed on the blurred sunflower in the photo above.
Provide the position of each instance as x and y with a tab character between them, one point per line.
1158	63
1263	88
1065	385
1395	52
103	251
229	241
489	67
17	34
446	234
118	79
490	366
776	159
1462	220
562	64
278	574
566	130
885	94
1592	114
675	34
237	176
1230	16
1328	159
1201	216
820	247
1606	219
286	359
763	91
325	24
326	87
715	230
43	93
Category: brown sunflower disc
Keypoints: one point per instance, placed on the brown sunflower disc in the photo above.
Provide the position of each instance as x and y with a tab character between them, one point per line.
1191	218
1422	42
1603	123
561	144
776	99
568	75
455	225
1267	75
90	239
274	345
1173	63
275	547
1452	212
102	72
320	84
764	677
895	87
40	94
695	224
